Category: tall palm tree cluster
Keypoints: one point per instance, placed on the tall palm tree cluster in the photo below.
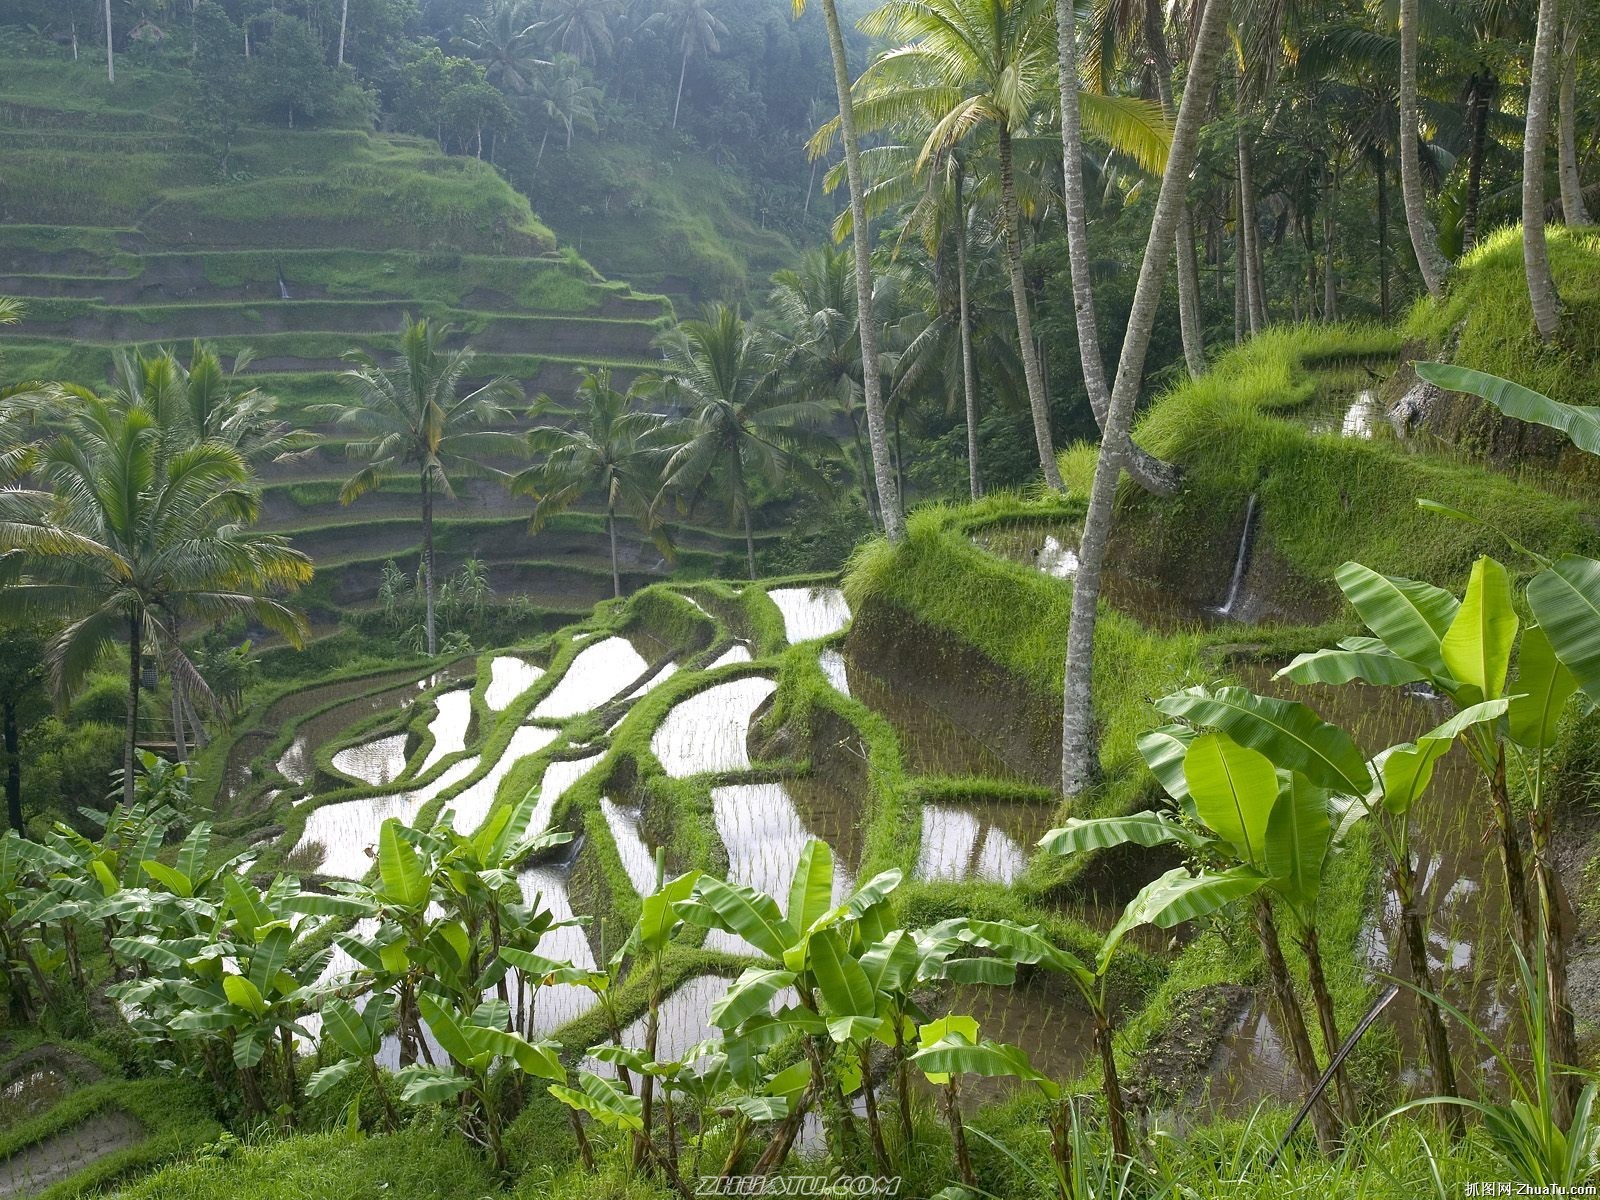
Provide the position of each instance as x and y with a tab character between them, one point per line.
125	516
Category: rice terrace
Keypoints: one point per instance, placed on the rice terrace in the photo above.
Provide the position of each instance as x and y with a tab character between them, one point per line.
951	599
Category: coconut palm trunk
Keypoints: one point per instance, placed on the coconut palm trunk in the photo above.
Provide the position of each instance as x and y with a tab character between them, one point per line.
1255	303
1546	301
427	562
1431	262
344	23
1078	756
969	369
1330	230
135	678
611	534
1483	88
1573	209
111	60
683	70
894	525
1152	474
1189	311
1029	350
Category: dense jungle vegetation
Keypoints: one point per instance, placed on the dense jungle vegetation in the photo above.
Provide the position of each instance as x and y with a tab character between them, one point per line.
668	598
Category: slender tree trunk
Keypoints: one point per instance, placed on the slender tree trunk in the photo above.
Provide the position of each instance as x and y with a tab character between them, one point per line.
1542	294
427	562
1019	304
179	737
1255	305
811	187
749	542
1328	1021
1078	758
1431	262
1323	1119
958	1133
1573	209
1241	300
682	71
543	142
1189	312
344	21
1483	89
1330	230
111	61
969	369
1383	235
860	236
1151	473
611	533
13	764
135	669
1554	907
1415	937
1116	1114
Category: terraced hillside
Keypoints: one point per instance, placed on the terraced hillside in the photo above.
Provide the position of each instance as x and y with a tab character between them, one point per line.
120	231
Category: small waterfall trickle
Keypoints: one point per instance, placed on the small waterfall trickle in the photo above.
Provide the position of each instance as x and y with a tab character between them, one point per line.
283	285
1241	561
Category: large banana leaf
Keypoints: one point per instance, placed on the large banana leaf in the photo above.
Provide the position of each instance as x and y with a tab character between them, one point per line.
244	994
752	915
811	892
992	1060
658	915
191	858
892	964
1234	789
845	988
1286	731
1581	423
1100	833
1544	686
269	956
421	1084
1411	617
1477	647
174	880
446	1029
1163	750
750	994
349	1031
1177	897
1566	601
957	1027
400	868
328	1077
1297	841
1335	666
603	1100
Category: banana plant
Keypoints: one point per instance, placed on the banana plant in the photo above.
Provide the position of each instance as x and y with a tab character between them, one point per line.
1464	649
358	1034
482	1052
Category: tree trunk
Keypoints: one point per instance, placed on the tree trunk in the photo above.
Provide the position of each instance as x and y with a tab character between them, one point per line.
135	669
749	542
1323	1119
1330	230
682	71
427	562
1554	909
969	369
1383	235
1255	305
1542	294
1573	209
1483	88
344	21
1019	303
958	1133
611	533
1241	301
1431	262
1415	937
1189	313
1328	1022
13	765
1116	1115
544	141
1078	756
1151	473
860	236
111	61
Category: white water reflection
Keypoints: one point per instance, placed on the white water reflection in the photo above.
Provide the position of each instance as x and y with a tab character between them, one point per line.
600	671
638	860
810	612
707	732
449	727
683	1020
736	653
1056	559
958	844
554	1006
833	666
377	762
295	762
472	805
509	677
348	831
764	834
558	777
655	681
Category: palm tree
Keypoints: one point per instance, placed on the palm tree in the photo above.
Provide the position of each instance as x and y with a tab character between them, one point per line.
871	386
1077	742
818	342
694	29
581	28
1542	294
566	98
1573	209
1431	262
140	527
111	61
739	424
411	417
205	400
611	442
503	40
971	64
